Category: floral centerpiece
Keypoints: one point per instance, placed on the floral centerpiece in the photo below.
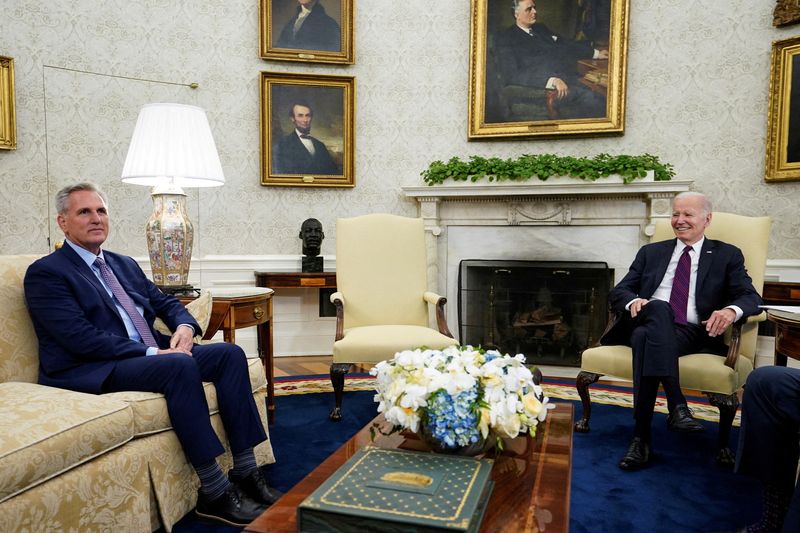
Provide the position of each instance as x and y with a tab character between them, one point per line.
459	397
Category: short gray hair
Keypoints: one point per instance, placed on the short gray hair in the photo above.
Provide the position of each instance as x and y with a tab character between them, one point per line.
62	196
694	194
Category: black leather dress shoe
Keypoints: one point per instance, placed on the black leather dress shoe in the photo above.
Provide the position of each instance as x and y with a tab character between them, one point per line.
255	486
680	419
638	455
232	507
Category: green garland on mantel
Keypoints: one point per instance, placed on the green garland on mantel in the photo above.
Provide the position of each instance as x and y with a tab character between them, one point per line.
543	166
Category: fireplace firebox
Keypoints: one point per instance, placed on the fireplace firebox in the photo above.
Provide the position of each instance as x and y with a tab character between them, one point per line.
549	311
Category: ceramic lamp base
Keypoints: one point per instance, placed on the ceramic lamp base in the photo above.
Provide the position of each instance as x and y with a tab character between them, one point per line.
170	236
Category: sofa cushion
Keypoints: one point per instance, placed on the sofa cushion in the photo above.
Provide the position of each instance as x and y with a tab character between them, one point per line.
150	409
45	431
19	349
200	309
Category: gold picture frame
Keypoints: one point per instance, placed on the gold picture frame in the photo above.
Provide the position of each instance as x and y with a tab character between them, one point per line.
8	117
783	122
325	35
508	98
307	130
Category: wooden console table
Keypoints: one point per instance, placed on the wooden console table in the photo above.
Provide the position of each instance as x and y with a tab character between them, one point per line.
296	280
234	309
293	280
787	335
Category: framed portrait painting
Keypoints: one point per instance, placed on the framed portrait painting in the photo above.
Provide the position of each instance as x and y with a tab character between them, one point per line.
783	122
307	132
8	123
312	31
548	69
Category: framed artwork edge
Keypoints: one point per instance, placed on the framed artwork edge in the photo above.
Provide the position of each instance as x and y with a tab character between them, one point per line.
345	57
612	124
8	117
777	166
347	83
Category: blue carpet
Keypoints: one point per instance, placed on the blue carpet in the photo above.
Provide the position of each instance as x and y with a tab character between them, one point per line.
683	491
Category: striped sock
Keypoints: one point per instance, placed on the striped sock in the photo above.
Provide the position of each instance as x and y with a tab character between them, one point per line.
244	463
213	482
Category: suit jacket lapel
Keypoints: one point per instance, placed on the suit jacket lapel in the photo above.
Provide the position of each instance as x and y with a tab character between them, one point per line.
665	254
704	264
137	297
84	270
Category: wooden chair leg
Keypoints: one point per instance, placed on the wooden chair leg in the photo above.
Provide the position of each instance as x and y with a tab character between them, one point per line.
582	383
338	370
727	405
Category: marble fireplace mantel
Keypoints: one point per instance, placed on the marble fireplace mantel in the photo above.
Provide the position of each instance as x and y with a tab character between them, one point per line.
562	219
447	204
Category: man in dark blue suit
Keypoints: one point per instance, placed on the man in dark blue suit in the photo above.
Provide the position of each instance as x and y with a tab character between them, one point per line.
299	152
96	335
311	29
768	445
678	297
531	55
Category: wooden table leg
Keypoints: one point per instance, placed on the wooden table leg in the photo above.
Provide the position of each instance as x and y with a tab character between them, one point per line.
264	332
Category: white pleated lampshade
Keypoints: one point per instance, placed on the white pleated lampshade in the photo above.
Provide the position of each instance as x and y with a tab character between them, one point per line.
172	143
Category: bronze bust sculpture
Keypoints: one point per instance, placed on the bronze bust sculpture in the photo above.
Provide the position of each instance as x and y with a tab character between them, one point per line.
311	233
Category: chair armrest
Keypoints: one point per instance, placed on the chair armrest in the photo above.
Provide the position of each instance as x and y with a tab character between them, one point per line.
733	347
439	301
338	301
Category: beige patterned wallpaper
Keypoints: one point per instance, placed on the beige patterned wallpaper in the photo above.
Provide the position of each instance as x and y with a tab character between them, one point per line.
698	74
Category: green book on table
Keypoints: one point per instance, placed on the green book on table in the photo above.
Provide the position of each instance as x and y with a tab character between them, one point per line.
381	489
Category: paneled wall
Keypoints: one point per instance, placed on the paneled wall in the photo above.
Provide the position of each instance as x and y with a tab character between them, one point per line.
698	76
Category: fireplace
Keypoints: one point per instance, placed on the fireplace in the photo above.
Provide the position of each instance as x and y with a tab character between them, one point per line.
560	220
550	311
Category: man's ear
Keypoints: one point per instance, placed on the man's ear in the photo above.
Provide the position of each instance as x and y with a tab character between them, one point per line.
60	221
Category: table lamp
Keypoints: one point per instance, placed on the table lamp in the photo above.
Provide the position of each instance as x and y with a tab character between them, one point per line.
171	147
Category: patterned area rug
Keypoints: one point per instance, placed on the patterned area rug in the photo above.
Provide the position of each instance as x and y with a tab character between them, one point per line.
556	388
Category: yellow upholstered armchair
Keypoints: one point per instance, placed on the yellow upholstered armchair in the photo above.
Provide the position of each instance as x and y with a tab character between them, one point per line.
382	303
716	376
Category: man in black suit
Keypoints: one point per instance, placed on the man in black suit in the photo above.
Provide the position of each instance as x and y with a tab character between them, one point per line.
311	29
768	445
531	55
299	152
678	297
93	312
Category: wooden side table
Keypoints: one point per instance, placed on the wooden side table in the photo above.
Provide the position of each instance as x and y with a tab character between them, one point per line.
234	309
787	335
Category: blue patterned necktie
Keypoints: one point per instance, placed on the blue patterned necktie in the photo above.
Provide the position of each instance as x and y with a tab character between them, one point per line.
126	303
679	297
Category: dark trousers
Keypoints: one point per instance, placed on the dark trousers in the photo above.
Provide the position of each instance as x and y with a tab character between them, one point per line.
769	439
657	342
180	379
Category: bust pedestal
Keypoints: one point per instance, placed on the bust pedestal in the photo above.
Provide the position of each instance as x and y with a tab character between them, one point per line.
311	263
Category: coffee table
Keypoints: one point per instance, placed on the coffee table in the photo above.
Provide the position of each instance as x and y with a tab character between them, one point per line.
532	479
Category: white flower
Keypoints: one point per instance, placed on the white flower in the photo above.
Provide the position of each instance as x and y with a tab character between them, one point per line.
508	402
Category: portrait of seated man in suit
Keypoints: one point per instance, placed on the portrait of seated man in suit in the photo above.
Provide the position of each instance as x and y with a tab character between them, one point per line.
529	55
678	297
299	152
311	28
93	312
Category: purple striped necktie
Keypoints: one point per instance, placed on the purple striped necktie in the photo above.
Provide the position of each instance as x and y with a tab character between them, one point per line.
679	297
126	303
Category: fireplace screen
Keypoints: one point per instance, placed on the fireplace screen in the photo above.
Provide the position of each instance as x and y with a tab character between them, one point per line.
549	311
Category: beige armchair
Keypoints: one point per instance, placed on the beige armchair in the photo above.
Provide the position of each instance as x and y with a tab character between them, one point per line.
382	300
716	376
